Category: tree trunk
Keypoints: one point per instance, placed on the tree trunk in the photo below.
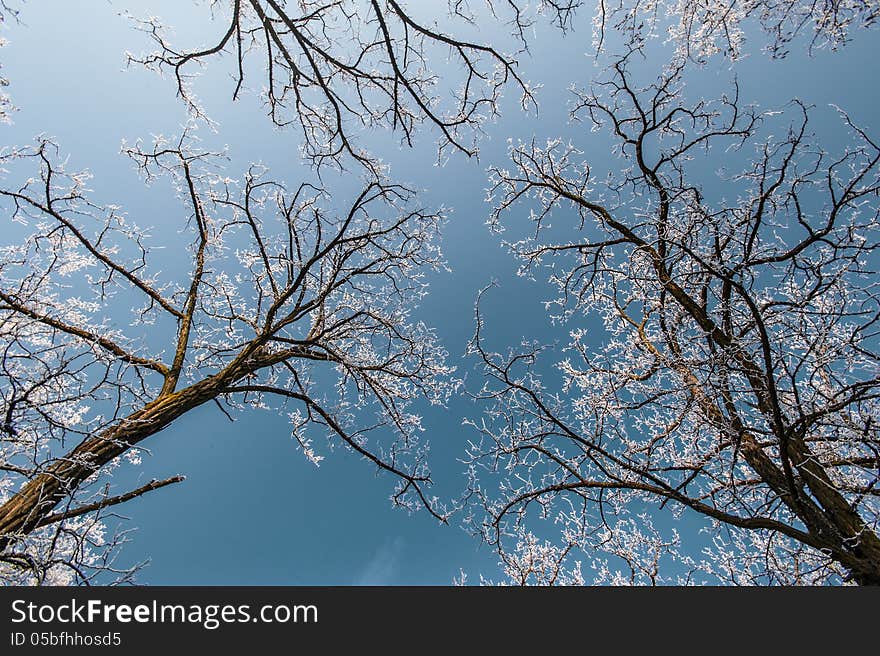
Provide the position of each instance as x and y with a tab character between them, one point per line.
23	512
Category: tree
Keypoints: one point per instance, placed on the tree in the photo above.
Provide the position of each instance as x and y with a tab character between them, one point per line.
280	291
701	29
334	67
736	374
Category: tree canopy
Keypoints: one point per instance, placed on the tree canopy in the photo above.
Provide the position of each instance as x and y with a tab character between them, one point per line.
716	286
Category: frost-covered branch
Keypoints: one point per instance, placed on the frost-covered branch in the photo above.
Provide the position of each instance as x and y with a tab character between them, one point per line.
329	69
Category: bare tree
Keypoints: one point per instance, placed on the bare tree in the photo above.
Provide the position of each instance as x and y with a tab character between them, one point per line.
755	394
332	68
723	357
280	290
703	28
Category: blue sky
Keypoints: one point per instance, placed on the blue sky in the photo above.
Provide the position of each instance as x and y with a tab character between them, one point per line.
253	510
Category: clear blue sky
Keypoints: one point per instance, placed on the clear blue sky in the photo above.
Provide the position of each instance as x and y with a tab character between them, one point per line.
253	510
